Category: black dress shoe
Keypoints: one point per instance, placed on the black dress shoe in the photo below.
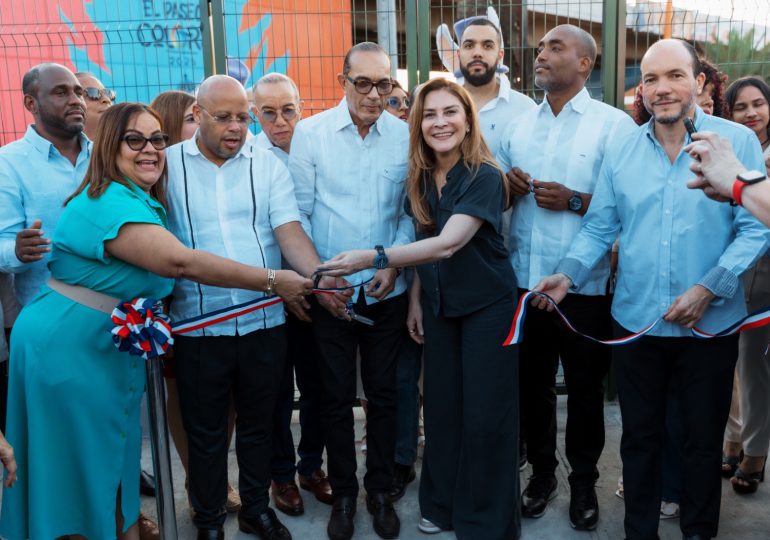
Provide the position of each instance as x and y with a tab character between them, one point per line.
384	518
402	475
211	534
265	525
540	490
146	484
341	520
583	508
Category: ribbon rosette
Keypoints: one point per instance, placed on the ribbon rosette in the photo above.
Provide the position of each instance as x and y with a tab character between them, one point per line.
141	328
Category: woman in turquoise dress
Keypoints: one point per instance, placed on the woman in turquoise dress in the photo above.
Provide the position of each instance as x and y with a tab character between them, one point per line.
73	403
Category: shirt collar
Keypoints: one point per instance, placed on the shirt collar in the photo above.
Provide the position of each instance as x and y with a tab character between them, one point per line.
343	118
46	147
579	102
147	198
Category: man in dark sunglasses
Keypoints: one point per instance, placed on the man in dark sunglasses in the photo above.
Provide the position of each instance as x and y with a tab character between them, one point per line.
97	98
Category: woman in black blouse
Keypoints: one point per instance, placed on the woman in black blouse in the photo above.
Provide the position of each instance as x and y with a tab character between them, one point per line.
461	306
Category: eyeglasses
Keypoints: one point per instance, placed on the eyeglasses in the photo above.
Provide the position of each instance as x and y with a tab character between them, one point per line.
395	103
225	119
271	115
364	86
136	142
95	94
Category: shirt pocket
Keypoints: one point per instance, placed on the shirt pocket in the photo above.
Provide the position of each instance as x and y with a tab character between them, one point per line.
392	185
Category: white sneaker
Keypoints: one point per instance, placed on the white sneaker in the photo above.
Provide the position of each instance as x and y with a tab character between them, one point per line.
669	510
428	527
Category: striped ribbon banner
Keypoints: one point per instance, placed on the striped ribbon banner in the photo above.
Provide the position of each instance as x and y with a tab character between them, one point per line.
516	335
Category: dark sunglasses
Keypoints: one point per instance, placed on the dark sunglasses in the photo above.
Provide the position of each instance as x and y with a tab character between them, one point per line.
395	103
270	115
135	142
96	94
364	86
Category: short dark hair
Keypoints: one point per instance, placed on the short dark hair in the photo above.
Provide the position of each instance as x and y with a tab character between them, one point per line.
364	46
483	21
30	83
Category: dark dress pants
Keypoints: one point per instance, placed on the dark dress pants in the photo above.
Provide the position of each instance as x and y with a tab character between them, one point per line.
470	471
210	370
585	363
643	370
408	369
338	341
302	359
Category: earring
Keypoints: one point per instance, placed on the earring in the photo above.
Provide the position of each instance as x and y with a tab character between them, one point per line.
467	129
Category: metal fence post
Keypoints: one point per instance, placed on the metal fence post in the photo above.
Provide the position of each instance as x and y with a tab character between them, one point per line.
219	50
425	38
614	52
411	42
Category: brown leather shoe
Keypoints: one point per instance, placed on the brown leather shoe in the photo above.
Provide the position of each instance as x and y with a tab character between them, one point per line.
318	483
148	529
287	499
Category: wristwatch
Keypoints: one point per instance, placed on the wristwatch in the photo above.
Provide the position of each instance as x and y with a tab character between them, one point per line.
575	202
380	260
745	179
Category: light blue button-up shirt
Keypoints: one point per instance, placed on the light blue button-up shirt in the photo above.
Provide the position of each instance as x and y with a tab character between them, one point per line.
350	190
261	141
35	180
569	149
230	211
671	237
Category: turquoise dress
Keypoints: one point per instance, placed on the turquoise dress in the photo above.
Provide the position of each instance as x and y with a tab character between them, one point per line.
74	399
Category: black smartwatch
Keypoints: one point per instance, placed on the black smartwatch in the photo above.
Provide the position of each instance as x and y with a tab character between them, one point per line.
380	260
576	202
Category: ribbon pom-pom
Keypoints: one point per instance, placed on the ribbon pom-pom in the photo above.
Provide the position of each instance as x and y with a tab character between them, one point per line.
141	328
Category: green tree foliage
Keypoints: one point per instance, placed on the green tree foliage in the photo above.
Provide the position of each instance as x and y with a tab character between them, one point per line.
742	54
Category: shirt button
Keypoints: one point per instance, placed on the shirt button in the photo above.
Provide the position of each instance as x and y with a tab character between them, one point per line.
663	274
662	304
667	212
669	182
665	242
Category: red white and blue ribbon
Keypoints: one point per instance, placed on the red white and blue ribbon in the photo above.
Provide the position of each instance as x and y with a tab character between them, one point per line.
516	335
141	328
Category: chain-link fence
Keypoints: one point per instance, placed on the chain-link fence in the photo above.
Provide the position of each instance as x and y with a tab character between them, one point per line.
143	47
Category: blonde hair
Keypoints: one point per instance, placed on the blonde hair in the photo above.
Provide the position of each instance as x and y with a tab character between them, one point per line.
422	158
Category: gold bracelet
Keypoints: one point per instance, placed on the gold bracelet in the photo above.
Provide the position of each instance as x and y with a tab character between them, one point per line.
270	280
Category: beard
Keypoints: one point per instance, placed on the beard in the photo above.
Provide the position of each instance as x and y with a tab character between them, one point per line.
56	123
673	118
482	78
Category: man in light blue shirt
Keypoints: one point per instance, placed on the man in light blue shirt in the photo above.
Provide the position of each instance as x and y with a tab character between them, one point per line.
349	166
278	108
38	172
680	258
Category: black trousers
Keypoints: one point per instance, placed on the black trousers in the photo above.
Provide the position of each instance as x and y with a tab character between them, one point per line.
585	363
302	361
210	370
643	368
470	471
338	342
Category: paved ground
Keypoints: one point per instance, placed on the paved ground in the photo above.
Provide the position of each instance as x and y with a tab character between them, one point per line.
742	517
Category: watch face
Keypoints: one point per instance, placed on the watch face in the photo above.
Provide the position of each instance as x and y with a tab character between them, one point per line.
751	177
575	203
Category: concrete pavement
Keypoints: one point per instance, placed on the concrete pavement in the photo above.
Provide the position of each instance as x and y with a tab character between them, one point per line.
742	517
